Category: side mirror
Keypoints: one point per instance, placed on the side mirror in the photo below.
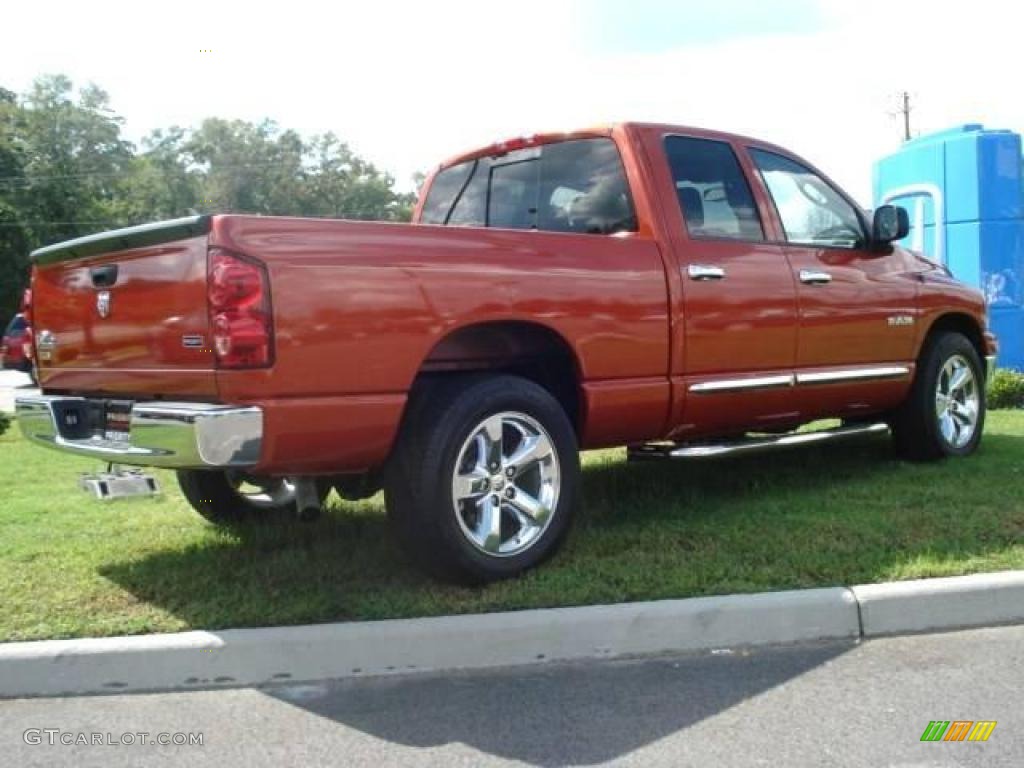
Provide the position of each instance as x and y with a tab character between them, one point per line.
890	223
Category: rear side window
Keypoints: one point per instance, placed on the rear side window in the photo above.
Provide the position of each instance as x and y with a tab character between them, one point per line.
469	209
512	203
16	325
713	193
569	186
446	188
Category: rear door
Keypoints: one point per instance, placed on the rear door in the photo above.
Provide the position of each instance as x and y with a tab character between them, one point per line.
739	300
856	305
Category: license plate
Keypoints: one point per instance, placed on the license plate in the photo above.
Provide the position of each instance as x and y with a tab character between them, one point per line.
95	419
117	420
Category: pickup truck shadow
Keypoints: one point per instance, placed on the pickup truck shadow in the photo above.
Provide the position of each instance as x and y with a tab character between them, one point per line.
562	714
804	517
850	513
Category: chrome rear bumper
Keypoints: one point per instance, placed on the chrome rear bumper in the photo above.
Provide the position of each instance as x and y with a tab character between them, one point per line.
990	367
160	434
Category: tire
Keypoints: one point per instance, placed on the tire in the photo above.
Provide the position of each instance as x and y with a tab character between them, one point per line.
221	497
440	491
940	418
357	487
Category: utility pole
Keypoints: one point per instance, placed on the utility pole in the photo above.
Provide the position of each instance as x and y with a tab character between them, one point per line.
905	111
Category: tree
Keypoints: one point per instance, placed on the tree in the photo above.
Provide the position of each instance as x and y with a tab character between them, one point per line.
257	168
66	171
75	159
61	162
14	239
159	184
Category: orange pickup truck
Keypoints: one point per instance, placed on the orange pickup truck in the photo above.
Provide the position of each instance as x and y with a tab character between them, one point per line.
683	292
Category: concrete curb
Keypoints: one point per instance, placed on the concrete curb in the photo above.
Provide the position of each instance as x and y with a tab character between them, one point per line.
925	605
247	657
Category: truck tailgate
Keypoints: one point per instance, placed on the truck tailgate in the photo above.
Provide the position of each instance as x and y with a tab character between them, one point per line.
125	312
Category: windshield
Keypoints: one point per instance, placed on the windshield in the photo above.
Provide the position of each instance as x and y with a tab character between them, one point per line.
17	325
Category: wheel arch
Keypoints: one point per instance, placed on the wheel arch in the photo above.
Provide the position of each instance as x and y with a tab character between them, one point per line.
958	322
518	347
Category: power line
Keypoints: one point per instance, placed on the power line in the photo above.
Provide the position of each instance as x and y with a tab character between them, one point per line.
350	216
28	180
31	224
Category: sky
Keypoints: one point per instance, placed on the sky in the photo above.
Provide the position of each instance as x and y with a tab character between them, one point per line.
410	84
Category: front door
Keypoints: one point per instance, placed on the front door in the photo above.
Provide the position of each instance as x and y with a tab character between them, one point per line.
739	312
856	306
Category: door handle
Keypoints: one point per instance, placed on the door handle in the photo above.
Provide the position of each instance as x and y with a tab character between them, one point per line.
105	276
813	277
703	272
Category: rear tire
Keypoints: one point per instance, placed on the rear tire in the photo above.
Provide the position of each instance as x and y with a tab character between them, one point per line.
484	479
944	413
230	498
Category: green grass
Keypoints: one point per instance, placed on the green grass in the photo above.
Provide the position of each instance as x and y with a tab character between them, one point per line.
71	566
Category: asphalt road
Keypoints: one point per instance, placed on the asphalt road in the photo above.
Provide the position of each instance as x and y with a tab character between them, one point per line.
832	704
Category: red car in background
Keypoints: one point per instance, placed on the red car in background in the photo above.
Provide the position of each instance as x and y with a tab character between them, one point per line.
12	347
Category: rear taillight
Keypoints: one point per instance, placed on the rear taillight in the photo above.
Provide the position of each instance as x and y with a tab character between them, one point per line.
240	314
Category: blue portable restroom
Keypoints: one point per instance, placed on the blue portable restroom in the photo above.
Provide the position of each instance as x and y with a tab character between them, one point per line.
964	191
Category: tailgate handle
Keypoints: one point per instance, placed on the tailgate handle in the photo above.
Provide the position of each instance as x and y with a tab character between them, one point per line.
105	276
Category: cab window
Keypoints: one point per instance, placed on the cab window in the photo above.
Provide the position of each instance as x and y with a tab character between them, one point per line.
569	186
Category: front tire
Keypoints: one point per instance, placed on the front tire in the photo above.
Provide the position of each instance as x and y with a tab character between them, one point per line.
484	479
944	414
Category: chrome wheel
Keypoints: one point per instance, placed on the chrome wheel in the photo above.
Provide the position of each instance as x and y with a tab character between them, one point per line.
265	492
506	484
957	401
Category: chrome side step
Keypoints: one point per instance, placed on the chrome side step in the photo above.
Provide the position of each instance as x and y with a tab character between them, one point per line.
748	445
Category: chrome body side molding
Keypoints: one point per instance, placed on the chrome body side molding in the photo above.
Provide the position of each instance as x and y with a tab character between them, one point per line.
854	374
864	373
740	385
